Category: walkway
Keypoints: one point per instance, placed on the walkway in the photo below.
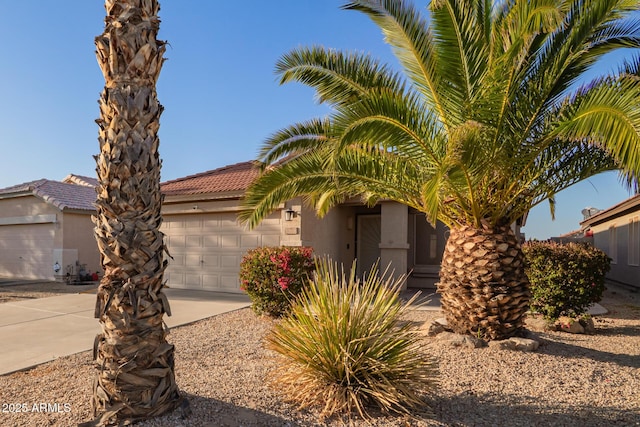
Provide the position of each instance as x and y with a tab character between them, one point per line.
41	330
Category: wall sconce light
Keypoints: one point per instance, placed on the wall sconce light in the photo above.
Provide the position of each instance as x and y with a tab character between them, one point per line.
289	214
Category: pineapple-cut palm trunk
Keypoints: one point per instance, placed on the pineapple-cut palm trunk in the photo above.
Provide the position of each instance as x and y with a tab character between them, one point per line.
483	286
135	378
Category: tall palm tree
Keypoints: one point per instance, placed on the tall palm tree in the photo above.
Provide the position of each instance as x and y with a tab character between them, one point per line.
484	123
136	364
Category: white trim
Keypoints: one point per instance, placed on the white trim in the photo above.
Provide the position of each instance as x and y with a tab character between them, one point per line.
34	219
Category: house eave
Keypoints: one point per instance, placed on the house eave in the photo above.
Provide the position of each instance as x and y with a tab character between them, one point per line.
622	208
182	198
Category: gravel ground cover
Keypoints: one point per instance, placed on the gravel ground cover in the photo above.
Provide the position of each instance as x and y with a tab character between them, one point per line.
32	290
221	367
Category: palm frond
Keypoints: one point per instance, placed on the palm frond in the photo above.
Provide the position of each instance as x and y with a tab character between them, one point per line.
337	77
412	41
295	139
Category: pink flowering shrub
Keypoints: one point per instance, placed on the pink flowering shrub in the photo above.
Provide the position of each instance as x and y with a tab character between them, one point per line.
273	276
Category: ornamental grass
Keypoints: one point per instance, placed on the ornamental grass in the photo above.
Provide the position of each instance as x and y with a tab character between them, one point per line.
345	348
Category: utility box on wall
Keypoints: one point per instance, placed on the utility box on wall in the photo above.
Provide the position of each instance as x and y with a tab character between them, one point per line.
67	260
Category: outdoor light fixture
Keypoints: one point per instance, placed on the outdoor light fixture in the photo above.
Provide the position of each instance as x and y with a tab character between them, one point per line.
289	214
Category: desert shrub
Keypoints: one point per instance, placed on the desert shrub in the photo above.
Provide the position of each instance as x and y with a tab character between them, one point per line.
345	348
565	278
273	276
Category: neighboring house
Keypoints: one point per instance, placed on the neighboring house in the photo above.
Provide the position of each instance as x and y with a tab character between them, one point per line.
46	223
617	232
207	242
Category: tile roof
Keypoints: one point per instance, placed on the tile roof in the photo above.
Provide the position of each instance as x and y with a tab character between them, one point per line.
87	181
62	195
229	178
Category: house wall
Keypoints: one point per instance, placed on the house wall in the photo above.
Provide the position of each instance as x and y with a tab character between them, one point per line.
78	236
333	235
613	236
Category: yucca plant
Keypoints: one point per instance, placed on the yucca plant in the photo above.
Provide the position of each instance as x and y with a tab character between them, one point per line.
345	348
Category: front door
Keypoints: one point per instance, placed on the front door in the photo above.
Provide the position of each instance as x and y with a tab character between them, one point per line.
367	242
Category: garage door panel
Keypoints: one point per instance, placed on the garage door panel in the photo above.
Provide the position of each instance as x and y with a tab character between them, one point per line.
211	223
178	260
211	282
229	261
249	241
270	240
229	241
192	260
211	260
193	280
228	223
229	282
210	241
193	241
194	223
176	242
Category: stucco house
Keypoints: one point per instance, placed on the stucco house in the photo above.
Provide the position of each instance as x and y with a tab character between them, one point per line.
616	231
207	242
47	223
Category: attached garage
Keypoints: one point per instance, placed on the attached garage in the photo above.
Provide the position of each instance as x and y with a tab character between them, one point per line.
202	233
26	247
207	249
45	223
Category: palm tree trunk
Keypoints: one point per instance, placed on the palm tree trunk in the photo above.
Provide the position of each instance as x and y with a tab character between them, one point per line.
135	362
484	288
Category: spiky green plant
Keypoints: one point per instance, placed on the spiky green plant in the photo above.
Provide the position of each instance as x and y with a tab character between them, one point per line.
345	347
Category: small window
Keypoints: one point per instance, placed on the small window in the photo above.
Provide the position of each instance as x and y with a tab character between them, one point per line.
613	244
634	241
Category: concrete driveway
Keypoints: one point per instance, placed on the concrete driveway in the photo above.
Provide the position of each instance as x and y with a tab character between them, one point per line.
41	330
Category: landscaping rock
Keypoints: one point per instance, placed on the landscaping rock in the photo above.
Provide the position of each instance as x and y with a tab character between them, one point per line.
436	327
525	344
503	344
457	340
515	343
588	325
570	325
537	323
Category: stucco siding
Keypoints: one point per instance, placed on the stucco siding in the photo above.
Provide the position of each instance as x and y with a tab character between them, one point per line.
331	235
78	235
619	240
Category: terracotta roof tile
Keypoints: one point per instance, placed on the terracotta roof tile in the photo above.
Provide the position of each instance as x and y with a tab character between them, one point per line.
230	178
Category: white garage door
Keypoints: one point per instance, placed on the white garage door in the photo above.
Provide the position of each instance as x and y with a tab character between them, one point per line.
26	251
207	249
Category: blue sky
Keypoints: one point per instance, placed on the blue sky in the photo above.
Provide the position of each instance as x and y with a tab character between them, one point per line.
218	88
